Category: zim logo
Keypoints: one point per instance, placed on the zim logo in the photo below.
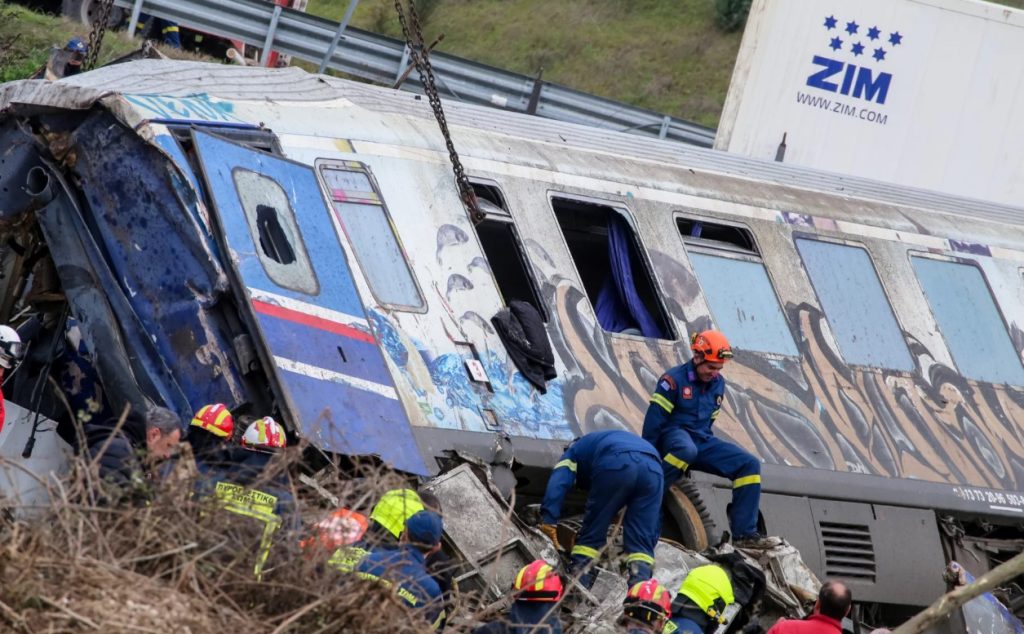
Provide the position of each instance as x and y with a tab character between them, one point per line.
849	76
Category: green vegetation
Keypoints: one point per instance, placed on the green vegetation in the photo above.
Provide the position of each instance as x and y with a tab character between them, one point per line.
666	55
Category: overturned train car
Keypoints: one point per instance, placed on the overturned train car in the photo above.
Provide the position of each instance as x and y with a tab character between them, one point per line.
288	243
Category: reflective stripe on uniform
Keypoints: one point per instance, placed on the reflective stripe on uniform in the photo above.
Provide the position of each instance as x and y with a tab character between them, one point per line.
347	558
585	551
569	464
715	413
745	480
664	402
676	462
258	505
670	628
170	29
644	557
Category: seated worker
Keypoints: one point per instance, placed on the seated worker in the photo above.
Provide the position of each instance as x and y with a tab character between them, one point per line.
537	589
403	569
678	423
646	608
705	593
618	469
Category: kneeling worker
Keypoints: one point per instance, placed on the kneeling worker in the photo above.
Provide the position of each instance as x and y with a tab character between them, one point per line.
683	408
705	593
619	469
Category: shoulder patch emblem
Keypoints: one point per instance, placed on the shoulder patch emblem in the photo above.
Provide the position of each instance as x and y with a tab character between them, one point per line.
687	392
667	383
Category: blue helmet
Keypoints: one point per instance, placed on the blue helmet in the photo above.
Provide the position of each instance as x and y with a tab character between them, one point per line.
76	45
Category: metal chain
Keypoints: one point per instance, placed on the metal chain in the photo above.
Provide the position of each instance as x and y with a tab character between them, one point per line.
421	57
99	29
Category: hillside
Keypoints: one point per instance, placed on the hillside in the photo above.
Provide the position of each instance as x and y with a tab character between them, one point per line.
666	55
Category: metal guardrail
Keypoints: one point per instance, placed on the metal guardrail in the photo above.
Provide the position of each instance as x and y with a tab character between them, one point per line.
381	59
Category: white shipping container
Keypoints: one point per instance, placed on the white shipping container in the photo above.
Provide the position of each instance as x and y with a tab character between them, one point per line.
925	93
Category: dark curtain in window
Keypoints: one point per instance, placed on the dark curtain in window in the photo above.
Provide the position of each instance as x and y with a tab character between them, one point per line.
619	306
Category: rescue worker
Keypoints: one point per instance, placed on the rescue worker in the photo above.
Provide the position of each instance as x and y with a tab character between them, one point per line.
127	455
11	351
342	527
160	29
387	521
703	596
404	569
213	426
832	606
537	589
77	50
678	423
619	469
241	491
646	608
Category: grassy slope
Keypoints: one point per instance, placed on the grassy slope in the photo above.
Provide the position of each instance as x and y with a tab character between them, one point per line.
682	68
26	38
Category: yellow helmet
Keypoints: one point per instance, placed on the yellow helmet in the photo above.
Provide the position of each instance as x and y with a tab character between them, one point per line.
394	508
709	587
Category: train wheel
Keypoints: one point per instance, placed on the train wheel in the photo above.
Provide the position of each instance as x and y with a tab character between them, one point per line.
85	11
688	519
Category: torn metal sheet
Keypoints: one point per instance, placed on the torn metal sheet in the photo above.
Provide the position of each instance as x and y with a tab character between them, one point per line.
790	581
984	614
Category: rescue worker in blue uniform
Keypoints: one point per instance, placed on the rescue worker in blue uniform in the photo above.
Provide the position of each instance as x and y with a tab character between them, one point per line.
618	469
700	605
678	423
404	570
159	28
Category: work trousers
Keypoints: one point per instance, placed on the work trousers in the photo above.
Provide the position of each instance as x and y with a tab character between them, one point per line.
632	480
681	451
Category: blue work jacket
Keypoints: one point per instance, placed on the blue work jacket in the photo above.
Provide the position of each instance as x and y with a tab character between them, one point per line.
681	400
595	451
405	569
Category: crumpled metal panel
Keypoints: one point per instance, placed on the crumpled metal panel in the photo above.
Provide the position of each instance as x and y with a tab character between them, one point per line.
984	614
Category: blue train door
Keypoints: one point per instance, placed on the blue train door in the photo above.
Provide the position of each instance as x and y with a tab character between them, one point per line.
290	270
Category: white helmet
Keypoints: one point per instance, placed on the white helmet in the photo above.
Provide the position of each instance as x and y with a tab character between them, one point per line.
266	433
11	348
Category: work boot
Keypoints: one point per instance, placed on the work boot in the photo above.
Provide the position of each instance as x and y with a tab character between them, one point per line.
756	541
639	571
584	570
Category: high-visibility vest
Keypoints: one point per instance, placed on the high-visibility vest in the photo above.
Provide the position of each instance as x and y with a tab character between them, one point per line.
256	504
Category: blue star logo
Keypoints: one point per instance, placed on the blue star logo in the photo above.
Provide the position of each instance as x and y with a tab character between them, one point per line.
851	27
858	49
873	33
895	38
836	44
879	54
830	22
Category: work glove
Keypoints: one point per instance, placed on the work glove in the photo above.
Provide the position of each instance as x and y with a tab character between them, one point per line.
552	533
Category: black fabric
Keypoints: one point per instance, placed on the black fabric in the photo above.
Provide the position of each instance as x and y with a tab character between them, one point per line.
120	462
526	617
748	583
521	329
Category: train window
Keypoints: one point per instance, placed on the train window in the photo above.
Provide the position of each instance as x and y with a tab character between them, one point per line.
969	320
743	302
717	235
614	272
503	249
272	226
855	304
368	227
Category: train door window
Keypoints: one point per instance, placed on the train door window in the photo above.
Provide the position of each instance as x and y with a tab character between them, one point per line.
855	304
969	320
371	233
273	228
611	265
736	285
504	250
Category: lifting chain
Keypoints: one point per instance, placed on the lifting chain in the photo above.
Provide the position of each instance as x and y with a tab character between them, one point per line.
421	57
99	29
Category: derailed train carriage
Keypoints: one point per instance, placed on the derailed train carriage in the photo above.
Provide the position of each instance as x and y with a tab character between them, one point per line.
290	243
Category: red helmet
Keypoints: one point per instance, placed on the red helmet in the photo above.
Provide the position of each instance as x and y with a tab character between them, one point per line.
538	581
215	419
648	601
713	345
342	527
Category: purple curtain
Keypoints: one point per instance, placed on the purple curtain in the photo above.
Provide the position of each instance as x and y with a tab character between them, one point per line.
619	306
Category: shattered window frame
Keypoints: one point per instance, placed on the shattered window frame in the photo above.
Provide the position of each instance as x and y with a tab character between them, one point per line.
298	275
501	218
372	198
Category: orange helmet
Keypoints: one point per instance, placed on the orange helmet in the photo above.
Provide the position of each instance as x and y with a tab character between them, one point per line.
713	345
342	527
648	601
538	581
215	419
265	433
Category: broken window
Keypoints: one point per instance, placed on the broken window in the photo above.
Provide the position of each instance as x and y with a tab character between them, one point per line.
969	320
275	233
715	234
503	249
371	233
611	265
855	304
